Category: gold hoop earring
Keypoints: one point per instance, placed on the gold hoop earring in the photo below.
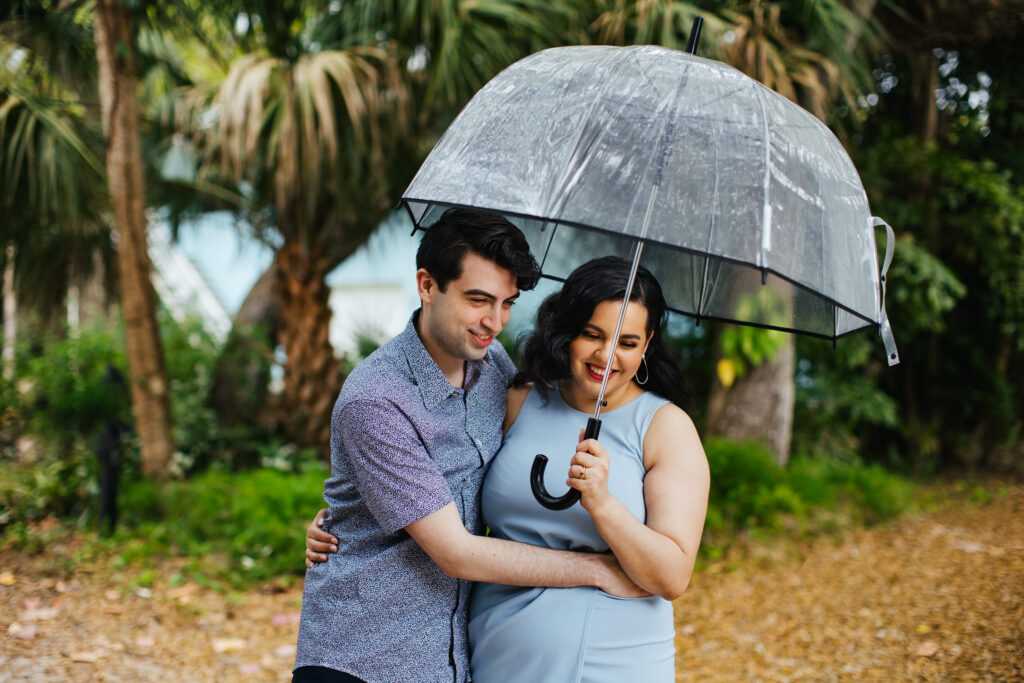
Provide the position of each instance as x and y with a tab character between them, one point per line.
647	370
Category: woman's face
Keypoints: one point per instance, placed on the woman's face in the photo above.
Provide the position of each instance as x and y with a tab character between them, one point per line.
588	352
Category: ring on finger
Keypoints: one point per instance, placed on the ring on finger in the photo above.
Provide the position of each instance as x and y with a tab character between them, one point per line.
583	472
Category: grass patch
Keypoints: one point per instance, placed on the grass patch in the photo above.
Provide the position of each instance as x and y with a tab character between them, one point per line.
232	529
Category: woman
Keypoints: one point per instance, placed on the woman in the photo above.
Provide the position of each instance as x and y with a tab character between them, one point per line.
643	486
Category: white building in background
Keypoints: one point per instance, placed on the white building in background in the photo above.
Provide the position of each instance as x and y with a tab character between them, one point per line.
181	286
211	267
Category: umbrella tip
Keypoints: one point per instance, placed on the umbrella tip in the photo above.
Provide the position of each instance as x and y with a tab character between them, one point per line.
691	43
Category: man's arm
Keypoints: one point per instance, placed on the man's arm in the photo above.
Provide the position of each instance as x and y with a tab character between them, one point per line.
462	555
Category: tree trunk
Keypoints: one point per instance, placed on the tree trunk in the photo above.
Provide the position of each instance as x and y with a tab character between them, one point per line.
312	375
115	45
10	313
759	405
240	376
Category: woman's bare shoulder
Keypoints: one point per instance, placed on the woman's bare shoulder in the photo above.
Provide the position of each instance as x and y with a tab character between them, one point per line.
672	431
515	399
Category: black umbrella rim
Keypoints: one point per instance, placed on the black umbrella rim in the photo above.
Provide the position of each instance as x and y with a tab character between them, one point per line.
765	271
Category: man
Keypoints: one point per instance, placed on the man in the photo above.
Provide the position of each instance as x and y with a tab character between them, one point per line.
412	432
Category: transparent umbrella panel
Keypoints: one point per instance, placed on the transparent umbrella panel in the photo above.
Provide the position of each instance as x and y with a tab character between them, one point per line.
749	208
697	285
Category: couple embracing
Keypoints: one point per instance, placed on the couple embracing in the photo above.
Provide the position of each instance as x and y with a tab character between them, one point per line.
433	437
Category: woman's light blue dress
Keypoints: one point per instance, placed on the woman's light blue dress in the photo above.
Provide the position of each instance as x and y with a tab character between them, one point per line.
566	634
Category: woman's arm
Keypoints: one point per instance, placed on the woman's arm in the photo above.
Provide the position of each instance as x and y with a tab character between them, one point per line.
659	555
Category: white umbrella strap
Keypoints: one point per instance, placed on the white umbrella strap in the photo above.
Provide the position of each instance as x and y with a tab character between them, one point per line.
884	328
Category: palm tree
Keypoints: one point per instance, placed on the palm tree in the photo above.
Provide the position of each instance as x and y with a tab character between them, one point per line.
50	190
114	29
55	33
315	119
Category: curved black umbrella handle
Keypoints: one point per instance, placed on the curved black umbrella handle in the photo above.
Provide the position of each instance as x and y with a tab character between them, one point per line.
537	476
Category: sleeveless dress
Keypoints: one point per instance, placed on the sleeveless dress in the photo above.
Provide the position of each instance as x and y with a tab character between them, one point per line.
566	635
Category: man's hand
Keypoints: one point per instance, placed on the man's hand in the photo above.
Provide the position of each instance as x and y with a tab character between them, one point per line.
616	582
319	541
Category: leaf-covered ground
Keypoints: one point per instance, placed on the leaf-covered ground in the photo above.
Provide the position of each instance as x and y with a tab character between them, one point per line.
933	596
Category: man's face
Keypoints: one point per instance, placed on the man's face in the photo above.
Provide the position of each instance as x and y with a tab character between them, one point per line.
462	321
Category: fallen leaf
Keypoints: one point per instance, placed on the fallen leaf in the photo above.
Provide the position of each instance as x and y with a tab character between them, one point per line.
32	603
221	645
143	592
285	619
145	641
927	649
40	614
112	595
7	579
16	630
970	547
46	524
86	657
688	630
284	651
184	591
924	628
249	669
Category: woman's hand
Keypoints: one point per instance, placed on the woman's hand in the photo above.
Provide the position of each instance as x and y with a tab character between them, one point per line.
588	474
319	541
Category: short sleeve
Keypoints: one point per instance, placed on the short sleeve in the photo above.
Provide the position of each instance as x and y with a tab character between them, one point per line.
398	480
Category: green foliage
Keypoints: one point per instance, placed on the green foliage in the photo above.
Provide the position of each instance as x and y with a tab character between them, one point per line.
72	387
837	403
956	297
57	486
924	289
239	527
749	491
76	385
744	348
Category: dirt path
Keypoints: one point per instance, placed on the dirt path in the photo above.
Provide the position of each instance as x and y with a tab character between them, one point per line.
937	596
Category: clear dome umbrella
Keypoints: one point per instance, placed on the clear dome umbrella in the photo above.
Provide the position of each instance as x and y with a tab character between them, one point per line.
744	206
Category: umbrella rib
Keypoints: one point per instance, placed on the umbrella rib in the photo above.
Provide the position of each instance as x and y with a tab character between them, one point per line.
711	234
572	170
766	223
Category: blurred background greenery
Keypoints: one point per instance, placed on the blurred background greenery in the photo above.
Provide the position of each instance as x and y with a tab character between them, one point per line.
306	119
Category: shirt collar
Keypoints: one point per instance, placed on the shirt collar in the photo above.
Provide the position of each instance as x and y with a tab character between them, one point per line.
434	386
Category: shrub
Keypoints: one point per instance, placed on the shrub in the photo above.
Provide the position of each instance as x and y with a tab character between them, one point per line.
241	527
750	491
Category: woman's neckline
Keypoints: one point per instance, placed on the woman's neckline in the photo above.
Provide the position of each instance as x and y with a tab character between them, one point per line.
590	413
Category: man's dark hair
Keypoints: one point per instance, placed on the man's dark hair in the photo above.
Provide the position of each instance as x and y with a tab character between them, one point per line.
483	233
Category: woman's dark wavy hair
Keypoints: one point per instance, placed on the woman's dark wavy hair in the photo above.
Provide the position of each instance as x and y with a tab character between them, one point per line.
562	316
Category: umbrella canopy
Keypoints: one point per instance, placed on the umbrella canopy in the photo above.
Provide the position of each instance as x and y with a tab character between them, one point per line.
748	208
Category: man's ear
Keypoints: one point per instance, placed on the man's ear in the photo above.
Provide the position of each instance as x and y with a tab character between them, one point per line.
426	285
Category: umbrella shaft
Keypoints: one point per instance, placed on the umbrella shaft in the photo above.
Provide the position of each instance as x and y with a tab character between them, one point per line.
618	327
